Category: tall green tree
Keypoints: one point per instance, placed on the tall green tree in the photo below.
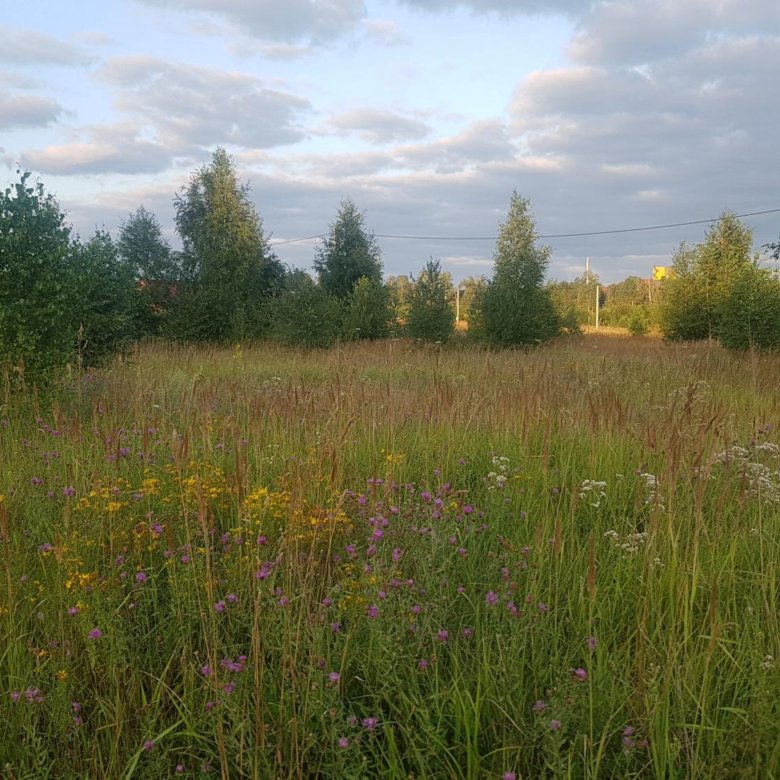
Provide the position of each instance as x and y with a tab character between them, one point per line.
702	280
515	307
228	266
35	293
104	299
348	253
143	249
367	312
431	317
751	311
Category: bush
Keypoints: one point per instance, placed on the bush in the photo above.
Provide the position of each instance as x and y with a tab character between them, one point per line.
430	316
367	314
304	314
751	312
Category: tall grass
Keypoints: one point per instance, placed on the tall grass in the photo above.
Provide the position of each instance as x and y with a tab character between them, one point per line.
390	561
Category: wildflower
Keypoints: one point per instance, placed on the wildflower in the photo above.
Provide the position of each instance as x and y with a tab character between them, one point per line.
373	611
416	609
15	696
205	670
555	725
95	633
491	599
179	769
509	776
73	611
232	598
46	547
220	606
542	607
422	664
369	724
579	674
263	572
148	745
343	743
68	491
327	602
284	601
539	706
334	677
140	576
36	481
229	688
443	636
467	632
591	643
335	627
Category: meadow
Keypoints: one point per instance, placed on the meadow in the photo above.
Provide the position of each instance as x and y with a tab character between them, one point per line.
392	561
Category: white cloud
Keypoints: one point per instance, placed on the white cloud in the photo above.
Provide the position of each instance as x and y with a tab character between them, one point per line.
20	111
380	127
29	47
189	106
290	21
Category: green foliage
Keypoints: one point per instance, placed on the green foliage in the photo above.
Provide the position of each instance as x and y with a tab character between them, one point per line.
574	301
104	296
751	312
367	311
515	307
399	290
347	254
702	280
638	322
228	267
304	314
431	317
141	246
35	298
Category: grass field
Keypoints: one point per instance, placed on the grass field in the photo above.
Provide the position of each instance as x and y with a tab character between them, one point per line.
388	561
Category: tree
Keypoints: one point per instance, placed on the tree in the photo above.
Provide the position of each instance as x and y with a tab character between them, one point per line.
702	280
35	296
515	307
304	314
431	317
750	315
104	298
347	254
228	266
367	312
142	248
399	289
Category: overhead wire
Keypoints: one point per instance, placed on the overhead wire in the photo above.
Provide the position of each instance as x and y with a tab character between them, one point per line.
544	236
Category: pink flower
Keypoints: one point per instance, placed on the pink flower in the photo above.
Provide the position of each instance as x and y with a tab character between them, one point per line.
95	633
334	677
491	599
343	743
579	674
555	725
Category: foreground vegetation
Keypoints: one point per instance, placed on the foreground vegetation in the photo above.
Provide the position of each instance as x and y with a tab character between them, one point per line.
391	561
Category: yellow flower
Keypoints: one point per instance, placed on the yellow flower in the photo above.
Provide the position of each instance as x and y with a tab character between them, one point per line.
62	675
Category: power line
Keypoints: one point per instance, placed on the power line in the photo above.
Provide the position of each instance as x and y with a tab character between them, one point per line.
549	235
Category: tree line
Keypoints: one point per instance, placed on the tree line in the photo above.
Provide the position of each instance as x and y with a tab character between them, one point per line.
67	300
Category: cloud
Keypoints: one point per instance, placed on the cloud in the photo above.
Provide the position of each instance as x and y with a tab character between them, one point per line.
189	106
484	141
108	149
385	32
646	31
291	21
29	47
19	111
380	127
504	7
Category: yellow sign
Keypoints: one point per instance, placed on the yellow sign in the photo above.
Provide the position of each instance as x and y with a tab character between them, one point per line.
660	272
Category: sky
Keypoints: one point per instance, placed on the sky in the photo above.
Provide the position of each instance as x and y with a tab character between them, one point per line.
427	113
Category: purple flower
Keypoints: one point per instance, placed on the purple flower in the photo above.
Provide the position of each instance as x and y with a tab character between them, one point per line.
263	572
229	688
442	635
542	607
45	547
555	725
369	724
148	745
205	670
220	606
68	492
591	643
73	611
95	633
509	776
372	611
468	632
579	674
284	601
491	599
422	664
334	677
539	706
36	481
343	743
335	627
232	598
140	576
